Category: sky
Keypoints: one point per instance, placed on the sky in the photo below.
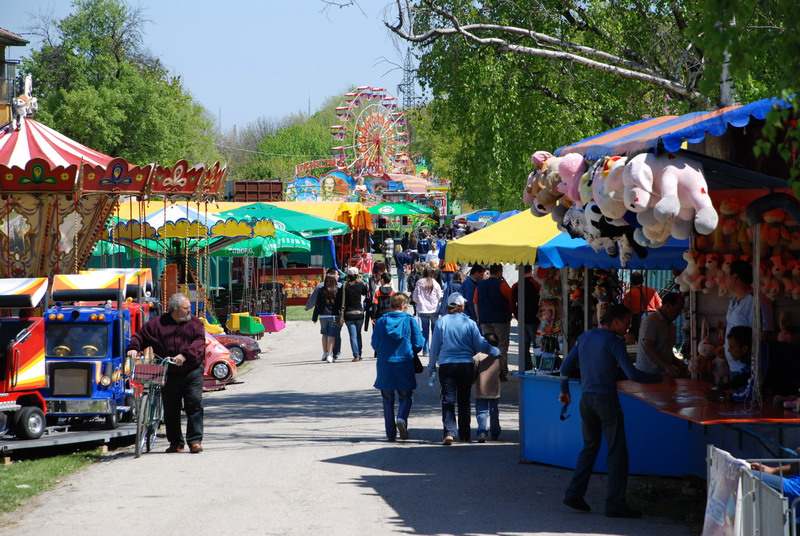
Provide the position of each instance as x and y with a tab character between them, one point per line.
244	59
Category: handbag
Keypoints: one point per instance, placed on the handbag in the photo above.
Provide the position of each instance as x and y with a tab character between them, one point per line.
340	318
418	368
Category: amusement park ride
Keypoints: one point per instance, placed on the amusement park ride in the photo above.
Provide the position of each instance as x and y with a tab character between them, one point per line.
56	199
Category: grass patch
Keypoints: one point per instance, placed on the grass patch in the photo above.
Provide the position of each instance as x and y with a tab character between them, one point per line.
24	479
298	312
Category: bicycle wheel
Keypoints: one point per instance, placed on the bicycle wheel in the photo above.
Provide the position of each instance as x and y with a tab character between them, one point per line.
142	411
154	420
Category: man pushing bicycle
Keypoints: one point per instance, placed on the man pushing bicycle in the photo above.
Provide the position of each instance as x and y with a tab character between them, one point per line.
179	334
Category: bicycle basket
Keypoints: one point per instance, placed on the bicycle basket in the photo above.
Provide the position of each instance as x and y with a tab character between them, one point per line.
147	373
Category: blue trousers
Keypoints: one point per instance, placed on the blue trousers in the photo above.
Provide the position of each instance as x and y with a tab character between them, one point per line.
403	410
601	415
488	409
456	382
427	323
354	330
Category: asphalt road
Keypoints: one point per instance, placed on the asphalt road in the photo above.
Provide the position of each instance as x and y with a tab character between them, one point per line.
299	449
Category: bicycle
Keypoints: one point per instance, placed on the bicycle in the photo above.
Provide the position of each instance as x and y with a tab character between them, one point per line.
149	407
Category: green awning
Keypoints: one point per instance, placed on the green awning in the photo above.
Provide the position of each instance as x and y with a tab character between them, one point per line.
265	246
295	222
400	209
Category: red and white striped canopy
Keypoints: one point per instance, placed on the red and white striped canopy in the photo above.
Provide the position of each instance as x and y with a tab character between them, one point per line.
34	140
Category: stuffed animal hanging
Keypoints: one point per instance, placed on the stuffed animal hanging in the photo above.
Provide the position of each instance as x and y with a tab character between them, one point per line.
706	351
719	366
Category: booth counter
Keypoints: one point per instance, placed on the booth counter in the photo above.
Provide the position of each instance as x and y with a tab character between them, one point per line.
298	283
668	427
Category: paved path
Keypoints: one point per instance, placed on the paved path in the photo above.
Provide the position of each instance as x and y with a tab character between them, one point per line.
299	449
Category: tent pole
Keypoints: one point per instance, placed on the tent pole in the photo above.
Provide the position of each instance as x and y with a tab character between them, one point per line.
523	344
586	299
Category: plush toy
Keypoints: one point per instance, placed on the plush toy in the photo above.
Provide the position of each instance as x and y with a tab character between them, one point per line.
785	335
725	233
773	275
570	168
23	104
701	364
712	272
719	366
724	277
792	233
771	232
622	234
547	178
678	182
691	278
608	187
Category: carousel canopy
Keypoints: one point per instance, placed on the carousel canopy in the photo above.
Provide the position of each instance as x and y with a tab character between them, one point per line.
511	241
295	222
34	140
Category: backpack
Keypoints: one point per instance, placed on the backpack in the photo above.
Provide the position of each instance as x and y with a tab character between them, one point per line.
384	304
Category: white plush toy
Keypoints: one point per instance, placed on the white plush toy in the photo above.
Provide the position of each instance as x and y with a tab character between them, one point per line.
678	182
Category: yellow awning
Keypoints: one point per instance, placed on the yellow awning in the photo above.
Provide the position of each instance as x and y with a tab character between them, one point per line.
510	241
355	215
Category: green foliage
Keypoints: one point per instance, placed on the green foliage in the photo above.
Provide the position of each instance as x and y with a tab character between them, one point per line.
95	85
25	479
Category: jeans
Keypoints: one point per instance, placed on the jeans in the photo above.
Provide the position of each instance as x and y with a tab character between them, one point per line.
403	409
337	344
601	415
488	407
456	382
401	279
427	323
185	390
446	278
354	329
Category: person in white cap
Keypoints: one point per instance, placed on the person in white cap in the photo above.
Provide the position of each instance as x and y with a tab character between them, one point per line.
456	339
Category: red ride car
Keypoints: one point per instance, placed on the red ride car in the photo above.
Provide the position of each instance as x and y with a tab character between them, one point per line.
242	348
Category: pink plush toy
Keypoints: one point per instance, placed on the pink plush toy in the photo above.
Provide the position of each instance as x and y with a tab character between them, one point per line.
691	278
541	189
571	167
678	182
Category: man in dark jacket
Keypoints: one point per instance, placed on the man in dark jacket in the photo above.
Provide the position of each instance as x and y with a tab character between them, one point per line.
531	311
180	335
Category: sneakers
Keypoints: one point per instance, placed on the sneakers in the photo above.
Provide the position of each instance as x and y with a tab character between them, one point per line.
336	356
482	437
624	511
391	439
195	448
577	503
448	440
174	447
325	356
330	358
402	429
356	359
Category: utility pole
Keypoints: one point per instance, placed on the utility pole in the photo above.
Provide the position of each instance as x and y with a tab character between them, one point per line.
408	87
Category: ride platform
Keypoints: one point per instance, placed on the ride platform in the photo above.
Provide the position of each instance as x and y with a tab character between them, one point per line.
55	437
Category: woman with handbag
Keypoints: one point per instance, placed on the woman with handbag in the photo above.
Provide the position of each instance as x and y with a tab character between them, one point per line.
352	295
427	295
328	310
396	338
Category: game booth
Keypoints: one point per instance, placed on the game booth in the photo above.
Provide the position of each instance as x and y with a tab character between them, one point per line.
639	196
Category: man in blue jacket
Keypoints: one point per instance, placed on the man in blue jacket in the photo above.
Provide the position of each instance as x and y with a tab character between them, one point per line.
453	345
599	351
476	273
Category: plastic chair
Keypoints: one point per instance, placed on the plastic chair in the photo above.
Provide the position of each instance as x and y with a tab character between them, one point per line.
213	329
233	321
250	325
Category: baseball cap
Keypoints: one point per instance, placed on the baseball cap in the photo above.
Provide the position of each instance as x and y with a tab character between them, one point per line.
352	271
456	300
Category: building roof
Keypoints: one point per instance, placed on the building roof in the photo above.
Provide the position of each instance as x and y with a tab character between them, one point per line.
12	39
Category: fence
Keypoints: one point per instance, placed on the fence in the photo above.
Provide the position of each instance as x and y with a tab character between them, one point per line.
760	510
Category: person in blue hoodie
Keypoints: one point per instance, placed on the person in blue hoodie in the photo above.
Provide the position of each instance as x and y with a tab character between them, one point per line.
396	337
453	345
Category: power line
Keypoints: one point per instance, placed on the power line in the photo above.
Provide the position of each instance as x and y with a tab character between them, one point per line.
222	146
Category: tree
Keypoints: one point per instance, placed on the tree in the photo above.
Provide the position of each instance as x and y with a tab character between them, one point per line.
96	84
508	78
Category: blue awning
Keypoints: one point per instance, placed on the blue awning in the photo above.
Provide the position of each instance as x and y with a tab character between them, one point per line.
670	132
564	251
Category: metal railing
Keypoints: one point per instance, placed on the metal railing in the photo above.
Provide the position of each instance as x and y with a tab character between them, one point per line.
763	510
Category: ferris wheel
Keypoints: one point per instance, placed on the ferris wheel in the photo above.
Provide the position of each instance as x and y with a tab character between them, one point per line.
371	137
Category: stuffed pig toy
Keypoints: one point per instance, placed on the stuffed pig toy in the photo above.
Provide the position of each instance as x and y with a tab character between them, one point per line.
571	168
542	190
678	184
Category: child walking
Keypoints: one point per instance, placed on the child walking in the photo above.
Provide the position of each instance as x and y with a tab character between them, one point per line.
487	391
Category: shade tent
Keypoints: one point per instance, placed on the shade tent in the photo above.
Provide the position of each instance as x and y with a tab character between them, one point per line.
504	215
670	132
355	215
565	251
513	240
265	246
390	210
295	222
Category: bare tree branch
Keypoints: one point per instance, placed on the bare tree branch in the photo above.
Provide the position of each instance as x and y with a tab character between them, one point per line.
544	46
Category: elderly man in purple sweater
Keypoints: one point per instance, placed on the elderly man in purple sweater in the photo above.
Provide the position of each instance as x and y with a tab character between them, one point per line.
180	335
600	351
